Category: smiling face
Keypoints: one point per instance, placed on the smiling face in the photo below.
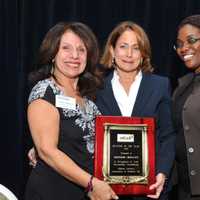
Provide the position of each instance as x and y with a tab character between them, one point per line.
126	52
188	46
71	58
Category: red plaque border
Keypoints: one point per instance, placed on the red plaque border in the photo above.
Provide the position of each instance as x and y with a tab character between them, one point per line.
126	189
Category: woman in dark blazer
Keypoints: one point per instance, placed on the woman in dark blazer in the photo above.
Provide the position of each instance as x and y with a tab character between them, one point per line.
186	109
130	89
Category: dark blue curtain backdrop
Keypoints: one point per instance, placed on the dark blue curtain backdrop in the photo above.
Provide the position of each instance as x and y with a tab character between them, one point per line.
23	24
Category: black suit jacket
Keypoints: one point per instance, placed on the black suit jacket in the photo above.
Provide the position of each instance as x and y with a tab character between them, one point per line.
188	168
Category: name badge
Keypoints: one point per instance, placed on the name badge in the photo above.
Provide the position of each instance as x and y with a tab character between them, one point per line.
65	102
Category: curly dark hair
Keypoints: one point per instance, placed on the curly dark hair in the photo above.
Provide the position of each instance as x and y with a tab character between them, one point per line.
90	79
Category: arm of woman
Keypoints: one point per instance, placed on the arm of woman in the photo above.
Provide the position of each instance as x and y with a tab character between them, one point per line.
166	132
165	140
43	119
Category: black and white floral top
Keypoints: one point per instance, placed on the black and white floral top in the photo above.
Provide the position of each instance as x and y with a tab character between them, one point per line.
77	126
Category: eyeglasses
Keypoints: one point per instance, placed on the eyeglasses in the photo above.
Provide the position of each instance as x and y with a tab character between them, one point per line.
190	41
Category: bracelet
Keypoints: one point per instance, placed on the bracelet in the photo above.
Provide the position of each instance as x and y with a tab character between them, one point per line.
89	187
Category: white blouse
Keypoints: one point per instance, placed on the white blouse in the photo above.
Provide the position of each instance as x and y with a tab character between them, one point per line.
124	101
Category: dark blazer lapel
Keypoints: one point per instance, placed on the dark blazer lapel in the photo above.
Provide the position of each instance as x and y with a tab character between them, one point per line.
145	90
183	83
108	97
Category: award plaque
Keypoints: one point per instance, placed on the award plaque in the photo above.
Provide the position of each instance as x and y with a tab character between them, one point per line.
125	153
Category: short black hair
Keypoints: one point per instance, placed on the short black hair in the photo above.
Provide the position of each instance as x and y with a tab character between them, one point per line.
193	20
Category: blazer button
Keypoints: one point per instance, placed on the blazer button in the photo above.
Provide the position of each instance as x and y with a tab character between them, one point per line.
193	172
190	150
186	127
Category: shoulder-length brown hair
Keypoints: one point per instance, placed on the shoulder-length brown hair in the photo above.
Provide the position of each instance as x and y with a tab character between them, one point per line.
89	80
142	39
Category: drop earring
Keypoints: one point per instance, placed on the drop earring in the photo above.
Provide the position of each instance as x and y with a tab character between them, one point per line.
113	64
141	62
52	66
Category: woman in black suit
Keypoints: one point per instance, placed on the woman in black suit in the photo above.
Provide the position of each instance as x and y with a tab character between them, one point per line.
131	89
186	109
